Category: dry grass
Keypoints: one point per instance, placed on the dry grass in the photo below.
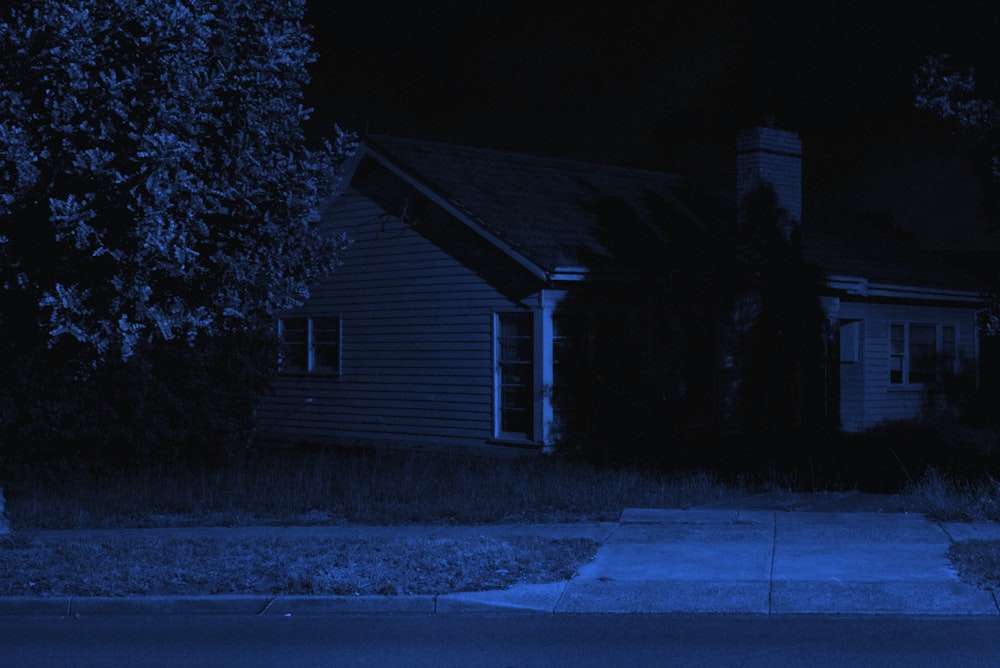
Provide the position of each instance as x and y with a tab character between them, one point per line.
370	488
949	500
977	561
123	566
280	487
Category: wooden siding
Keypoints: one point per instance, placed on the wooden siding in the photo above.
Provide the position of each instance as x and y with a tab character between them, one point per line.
867	398
417	343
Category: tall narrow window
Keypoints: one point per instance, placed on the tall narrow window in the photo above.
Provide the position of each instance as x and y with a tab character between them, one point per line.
923	353
326	345
310	344
515	375
295	336
897	354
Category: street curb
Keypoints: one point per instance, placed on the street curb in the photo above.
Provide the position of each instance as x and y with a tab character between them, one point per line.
426	604
57	606
169	605
68	606
320	605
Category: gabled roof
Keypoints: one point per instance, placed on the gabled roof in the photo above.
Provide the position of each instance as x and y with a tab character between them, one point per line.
545	209
547	214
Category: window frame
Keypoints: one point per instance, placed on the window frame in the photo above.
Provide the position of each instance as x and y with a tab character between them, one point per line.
902	354
314	340
499	433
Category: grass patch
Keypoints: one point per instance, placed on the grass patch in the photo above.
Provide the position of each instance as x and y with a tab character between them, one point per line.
122	566
948	499
977	561
275	486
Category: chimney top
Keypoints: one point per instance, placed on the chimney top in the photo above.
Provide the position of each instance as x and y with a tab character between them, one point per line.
767	155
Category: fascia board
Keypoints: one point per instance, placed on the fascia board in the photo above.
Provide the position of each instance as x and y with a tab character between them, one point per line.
457	212
856	285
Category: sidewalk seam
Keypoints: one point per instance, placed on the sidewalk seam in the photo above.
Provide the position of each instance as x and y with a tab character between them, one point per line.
267	606
940	525
770	577
561	594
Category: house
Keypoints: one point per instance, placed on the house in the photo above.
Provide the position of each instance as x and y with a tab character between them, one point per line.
439	328
446	326
899	313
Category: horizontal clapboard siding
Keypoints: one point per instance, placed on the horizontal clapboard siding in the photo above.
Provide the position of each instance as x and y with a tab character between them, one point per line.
416	342
867	397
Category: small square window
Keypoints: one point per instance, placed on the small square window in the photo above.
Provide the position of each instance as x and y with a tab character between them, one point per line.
310	344
919	352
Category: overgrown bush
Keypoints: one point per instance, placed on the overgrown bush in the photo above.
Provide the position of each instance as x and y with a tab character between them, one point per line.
175	403
705	349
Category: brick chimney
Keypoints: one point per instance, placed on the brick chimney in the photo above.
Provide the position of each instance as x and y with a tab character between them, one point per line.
768	155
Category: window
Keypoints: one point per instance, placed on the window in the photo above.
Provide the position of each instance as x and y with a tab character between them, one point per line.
917	352
515	352
310	344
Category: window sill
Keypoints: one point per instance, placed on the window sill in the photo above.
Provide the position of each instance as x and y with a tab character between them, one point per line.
309	374
511	442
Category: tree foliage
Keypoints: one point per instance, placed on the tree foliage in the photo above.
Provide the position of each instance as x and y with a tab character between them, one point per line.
155	180
704	330
954	96
782	355
156	194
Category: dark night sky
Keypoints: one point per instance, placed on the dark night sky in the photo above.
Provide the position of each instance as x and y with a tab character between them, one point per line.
666	85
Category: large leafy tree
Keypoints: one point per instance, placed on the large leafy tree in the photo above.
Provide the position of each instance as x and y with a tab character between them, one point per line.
154	179
954	94
156	189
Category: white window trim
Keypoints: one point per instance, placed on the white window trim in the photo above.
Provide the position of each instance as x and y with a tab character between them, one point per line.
907	355
498	433
311	347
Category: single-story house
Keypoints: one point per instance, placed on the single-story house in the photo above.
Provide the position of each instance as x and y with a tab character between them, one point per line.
442	327
898	311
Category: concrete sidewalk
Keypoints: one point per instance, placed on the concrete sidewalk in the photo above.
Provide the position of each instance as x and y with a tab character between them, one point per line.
743	560
766	562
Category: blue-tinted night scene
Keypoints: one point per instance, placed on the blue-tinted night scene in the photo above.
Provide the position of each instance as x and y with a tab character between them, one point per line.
646	329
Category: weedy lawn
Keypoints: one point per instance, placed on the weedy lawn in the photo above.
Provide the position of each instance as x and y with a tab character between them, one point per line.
359	487
363	487
318	488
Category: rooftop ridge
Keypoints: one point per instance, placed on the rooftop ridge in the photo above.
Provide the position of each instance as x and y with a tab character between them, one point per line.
541	160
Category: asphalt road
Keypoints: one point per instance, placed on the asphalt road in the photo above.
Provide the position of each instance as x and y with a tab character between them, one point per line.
498	640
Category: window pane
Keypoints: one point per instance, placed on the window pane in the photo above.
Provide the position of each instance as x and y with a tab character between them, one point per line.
516	337
896	369
295	336
515	352
898	340
326	330
326	344
923	353
948	347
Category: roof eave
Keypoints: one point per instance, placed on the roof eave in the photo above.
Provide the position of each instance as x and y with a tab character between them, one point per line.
862	287
455	210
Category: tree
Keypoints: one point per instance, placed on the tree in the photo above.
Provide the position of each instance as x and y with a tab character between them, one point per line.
156	184
156	190
953	95
782	333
